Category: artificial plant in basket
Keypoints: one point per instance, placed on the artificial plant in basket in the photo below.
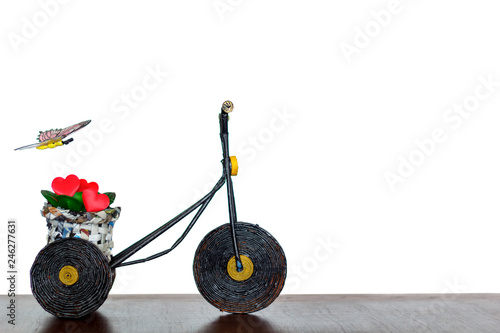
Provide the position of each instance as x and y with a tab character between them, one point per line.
77	209
78	195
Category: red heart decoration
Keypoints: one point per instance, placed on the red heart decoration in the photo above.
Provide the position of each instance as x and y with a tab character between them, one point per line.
68	186
94	201
84	185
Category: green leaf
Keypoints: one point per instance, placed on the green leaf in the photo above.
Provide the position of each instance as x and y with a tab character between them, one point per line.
78	196
51	198
71	203
111	196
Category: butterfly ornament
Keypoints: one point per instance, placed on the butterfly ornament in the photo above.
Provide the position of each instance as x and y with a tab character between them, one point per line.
54	137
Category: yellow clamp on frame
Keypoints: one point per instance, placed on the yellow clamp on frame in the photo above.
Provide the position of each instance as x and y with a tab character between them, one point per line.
234	165
51	144
247	271
68	275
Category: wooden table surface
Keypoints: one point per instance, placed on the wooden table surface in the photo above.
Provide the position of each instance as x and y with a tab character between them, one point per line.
289	313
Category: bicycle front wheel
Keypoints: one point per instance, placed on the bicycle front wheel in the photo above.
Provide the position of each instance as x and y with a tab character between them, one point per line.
257	285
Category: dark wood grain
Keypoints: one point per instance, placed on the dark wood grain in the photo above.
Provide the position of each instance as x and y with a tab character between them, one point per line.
290	313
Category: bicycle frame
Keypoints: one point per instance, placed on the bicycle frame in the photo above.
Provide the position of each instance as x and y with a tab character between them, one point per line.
119	259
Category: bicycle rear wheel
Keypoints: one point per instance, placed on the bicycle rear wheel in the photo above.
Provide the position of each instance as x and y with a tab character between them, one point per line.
71	278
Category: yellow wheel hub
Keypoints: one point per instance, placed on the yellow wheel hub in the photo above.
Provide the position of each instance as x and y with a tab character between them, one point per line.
247	271
68	275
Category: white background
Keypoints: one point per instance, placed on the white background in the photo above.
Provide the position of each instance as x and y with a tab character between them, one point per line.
315	131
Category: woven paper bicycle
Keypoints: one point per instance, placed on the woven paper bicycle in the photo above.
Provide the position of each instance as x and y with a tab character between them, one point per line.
238	267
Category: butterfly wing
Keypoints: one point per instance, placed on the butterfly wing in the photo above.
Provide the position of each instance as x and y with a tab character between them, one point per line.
70	129
47	135
61	133
35	145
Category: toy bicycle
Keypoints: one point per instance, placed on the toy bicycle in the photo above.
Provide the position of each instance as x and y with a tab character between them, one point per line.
238	267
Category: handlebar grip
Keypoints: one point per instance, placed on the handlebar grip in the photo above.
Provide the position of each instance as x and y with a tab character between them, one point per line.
227	107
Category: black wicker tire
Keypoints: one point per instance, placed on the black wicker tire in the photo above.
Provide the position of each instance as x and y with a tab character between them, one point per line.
226	294
83	297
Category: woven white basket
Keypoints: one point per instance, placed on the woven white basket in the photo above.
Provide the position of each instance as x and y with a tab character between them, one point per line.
96	227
